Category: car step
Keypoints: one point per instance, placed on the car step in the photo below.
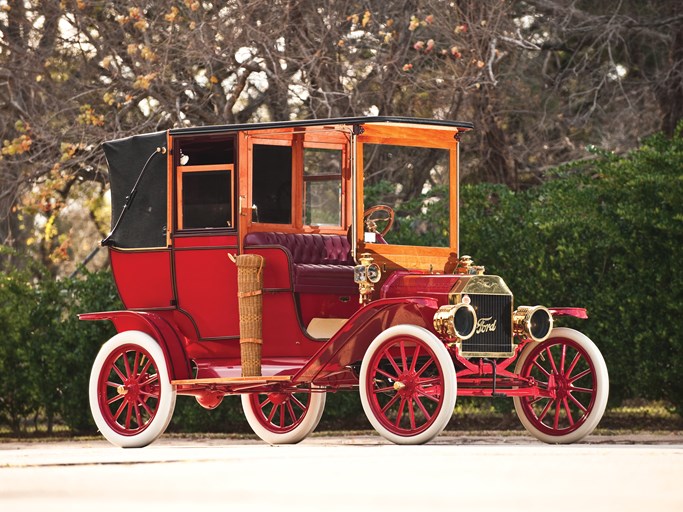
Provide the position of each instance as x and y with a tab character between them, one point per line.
233	380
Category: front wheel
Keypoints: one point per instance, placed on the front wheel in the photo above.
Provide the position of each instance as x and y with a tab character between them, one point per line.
284	417
131	396
569	366
408	385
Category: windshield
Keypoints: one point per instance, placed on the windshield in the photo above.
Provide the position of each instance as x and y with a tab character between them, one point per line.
414	183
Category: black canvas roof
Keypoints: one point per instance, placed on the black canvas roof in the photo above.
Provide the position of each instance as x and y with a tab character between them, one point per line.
144	224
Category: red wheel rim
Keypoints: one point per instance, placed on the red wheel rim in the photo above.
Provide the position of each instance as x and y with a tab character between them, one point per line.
129	390
565	369
280	412
405	386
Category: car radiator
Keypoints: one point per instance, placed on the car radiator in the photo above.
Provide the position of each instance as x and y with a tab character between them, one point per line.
493	333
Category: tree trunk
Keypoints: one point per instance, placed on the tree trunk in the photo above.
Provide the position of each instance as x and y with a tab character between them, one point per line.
670	89
496	161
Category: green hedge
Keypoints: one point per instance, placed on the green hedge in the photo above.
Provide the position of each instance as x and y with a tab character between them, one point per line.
45	352
604	234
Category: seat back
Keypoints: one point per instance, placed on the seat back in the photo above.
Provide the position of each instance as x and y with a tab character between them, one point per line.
307	248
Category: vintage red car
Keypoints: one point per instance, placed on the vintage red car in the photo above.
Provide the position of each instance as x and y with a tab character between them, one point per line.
341	303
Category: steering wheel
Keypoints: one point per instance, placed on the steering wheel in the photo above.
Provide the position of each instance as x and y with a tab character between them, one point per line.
380	213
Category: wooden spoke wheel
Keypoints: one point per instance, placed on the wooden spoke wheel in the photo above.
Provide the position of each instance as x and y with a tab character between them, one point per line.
572	369
131	396
408	385
284	417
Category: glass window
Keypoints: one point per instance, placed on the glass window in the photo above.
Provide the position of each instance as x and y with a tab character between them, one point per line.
206	199
322	187
272	184
414	182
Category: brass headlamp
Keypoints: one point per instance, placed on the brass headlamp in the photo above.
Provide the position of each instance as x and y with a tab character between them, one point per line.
456	321
366	276
466	266
533	322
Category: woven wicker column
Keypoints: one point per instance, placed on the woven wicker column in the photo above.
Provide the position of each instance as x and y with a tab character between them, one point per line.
250	294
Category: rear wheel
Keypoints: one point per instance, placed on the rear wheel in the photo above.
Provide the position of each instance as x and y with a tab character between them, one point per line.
570	366
408	385
131	396
284	417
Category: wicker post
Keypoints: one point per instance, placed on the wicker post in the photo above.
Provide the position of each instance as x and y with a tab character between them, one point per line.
249	293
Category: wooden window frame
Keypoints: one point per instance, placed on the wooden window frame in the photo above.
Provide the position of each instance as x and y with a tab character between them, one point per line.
183	169
409	257
298	141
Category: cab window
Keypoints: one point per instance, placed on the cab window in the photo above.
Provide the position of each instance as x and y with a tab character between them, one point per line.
272	184
205	169
414	182
207	199
322	187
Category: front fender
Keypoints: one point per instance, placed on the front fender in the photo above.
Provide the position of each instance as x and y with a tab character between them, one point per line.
349	344
575	312
164	332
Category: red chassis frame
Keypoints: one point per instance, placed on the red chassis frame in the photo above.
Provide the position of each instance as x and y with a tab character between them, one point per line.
329	366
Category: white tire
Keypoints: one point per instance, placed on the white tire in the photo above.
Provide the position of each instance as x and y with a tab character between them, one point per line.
408	385
284	417
131	396
571	365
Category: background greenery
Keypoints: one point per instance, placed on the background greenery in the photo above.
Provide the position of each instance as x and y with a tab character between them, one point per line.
540	79
604	233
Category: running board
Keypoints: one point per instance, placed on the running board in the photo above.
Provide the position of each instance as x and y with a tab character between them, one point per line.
233	380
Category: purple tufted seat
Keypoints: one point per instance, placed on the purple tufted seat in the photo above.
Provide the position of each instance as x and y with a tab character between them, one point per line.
320	263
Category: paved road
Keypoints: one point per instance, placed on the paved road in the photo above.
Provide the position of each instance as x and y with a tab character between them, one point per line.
346	474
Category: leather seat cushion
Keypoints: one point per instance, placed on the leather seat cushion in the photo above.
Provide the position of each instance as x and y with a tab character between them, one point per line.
332	279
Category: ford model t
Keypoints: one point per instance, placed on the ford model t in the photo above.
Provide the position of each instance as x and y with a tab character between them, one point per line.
252	260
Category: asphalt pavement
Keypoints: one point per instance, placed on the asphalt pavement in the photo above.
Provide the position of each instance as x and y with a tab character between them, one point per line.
346	473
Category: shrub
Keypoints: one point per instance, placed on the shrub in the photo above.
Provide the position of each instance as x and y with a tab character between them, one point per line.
604	235
79	343
45	351
19	397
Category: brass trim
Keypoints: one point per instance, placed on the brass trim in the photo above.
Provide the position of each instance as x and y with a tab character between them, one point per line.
467	355
521	322
466	266
478	285
365	279
444	321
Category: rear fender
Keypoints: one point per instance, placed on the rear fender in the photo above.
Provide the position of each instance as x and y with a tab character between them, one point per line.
165	333
349	344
